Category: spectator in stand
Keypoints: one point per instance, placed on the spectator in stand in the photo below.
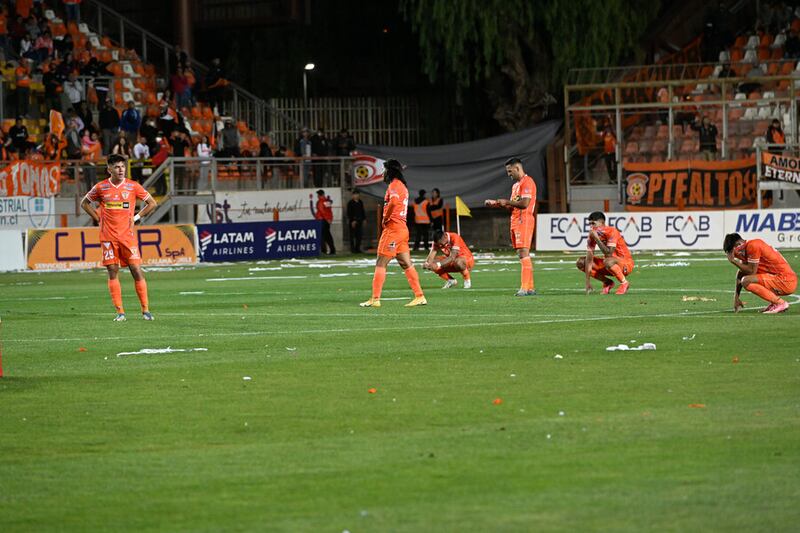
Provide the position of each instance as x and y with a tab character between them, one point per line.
167	119
436	210
776	140
215	85
23	92
64	47
73	139
140	150
73	116
264	148
52	147
5	43
52	90
180	88
324	212
204	152
43	47
73	8
92	151
85	114
74	90
181	58
344	144
25	46
229	138
18	137
356	215
159	156
610	152
150	132
32	27
121	147
180	148
708	137
321	147
422	221
130	122
109	125
791	48
302	149
191	82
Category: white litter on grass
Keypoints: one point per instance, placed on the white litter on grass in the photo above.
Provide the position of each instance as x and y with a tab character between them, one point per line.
558	356
690	338
661	264
548	435
561	413
247	378
697	299
291	349
191	293
681	254
338	275
513	375
625	347
168	349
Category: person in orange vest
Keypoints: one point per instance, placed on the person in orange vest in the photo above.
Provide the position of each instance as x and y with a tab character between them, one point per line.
422	221
436	210
776	140
610	152
325	214
23	79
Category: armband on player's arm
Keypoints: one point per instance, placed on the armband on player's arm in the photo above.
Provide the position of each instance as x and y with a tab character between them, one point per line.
136	218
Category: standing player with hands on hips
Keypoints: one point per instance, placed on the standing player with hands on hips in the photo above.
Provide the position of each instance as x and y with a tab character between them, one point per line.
522	206
117	197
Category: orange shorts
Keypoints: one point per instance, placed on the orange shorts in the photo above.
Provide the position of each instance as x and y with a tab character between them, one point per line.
522	234
393	241
780	285
600	267
452	266
120	253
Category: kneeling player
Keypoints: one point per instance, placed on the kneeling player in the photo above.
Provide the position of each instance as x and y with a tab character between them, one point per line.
762	271
455	257
616	261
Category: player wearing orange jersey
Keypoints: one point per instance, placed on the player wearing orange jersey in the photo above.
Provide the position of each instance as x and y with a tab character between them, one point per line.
454	257
393	243
117	198
523	220
762	271
616	261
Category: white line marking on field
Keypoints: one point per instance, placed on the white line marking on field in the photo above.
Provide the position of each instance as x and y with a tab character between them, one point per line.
43	298
191	293
168	349
251	278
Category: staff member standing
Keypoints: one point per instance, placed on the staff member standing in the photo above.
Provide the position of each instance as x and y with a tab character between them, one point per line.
325	214
422	222
355	217
436	210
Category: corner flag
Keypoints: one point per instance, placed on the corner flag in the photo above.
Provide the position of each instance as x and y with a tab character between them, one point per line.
461	208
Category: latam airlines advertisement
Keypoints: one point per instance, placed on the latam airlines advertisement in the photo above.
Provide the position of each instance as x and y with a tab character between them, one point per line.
676	230
259	240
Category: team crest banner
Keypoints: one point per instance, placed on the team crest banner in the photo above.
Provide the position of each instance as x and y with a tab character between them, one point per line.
780	167
30	178
691	185
367	170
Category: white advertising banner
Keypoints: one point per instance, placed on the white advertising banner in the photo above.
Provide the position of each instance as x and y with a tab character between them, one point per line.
664	230
260	206
13	247
778	227
23	212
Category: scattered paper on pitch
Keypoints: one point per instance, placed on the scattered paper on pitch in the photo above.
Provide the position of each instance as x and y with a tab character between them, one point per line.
626	348
697	299
155	351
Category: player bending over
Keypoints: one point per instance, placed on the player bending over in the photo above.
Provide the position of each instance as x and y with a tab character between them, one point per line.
762	271
117	198
394	238
616	261
455	257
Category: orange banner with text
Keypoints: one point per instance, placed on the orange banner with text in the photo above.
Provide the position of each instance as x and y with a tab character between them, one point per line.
79	248
691	185
29	178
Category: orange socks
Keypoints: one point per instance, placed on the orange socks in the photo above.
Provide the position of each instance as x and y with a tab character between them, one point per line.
617	271
465	274
763	293
377	281
526	278
141	292
116	294
413	281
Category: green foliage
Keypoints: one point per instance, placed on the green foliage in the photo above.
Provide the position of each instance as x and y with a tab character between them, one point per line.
469	41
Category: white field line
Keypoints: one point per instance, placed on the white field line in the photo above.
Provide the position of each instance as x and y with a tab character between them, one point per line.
728	312
251	278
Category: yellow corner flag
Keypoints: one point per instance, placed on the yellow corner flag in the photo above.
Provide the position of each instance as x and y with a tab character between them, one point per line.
461	208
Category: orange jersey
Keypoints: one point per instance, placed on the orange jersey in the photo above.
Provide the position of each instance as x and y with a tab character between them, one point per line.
524	188
768	259
395	205
612	238
455	244
117	207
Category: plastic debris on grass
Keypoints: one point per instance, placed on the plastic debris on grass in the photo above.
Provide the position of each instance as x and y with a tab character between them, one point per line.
626	348
697	299
156	351
372	390
558	356
291	349
690	338
247	378
497	401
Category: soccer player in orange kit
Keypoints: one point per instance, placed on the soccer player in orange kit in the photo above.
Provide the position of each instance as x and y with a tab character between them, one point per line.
457	258
522	206
762	271
117	197
617	261
394	238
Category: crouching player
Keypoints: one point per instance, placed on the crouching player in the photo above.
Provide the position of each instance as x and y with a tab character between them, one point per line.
762	271
616	261
454	257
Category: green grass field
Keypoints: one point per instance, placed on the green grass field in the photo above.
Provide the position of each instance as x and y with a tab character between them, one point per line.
699	435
